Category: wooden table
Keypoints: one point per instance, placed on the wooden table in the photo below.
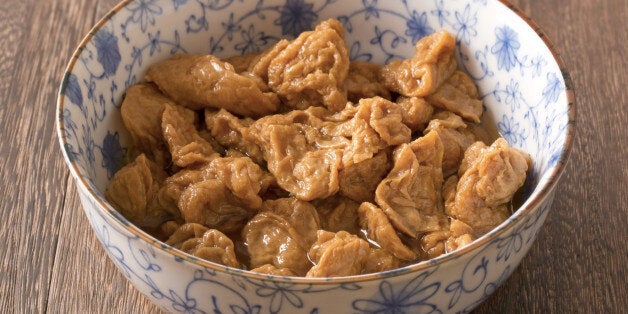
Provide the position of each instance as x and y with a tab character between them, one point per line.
51	260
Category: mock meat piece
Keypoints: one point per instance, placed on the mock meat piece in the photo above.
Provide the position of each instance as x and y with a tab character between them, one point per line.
338	213
363	81
422	74
212	204
359	181
452	132
272	270
380	230
202	194
205	243
471	154
411	193
416	112
311	69
461	234
379	260
281	235
288	143
227	130
186	146
337	254
244	178
323	166
141	112
241	63
459	95
259	66
486	187
172	188
306	149
204	81
385	118
133	190
433	243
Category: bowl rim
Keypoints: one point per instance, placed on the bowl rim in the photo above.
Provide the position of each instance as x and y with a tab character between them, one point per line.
544	192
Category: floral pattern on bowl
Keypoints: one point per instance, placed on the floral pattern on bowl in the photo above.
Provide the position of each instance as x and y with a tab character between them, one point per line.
525	90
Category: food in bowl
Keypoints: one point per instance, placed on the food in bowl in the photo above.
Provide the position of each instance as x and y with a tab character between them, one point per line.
297	161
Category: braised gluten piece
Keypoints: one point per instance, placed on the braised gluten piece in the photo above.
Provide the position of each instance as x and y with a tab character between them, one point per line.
297	161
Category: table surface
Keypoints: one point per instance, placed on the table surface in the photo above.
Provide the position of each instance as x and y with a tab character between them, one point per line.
51	260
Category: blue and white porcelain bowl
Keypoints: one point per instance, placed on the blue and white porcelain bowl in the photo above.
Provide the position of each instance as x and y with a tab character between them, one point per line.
524	85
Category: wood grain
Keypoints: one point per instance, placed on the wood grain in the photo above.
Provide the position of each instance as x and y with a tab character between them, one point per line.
51	261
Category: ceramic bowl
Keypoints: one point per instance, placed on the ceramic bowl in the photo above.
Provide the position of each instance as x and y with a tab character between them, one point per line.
523	83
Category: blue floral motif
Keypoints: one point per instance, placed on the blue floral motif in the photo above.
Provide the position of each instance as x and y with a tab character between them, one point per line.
178	3
465	26
144	12
509	246
514	97
356	54
155	44
231	27
346	23
529	116
88	143
252	41
414	297
279	293
73	91
509	129
184	305
370	9
296	16
440	12
388	40
108	52
418	26
506	47
537	64
553	88
112	153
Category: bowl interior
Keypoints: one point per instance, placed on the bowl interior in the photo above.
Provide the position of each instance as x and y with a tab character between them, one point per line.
523	86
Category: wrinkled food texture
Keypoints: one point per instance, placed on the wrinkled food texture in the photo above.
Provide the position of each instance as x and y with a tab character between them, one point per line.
422	74
337	254
486	187
133	192
338	213
322	166
459	95
221	194
205	243
416	112
306	149
186	146
211	203
380	260
281	235
227	130
363	82
244	178
204	81
380	230
141	112
411	193
270	269
453	134
311	69
359	181
242	63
